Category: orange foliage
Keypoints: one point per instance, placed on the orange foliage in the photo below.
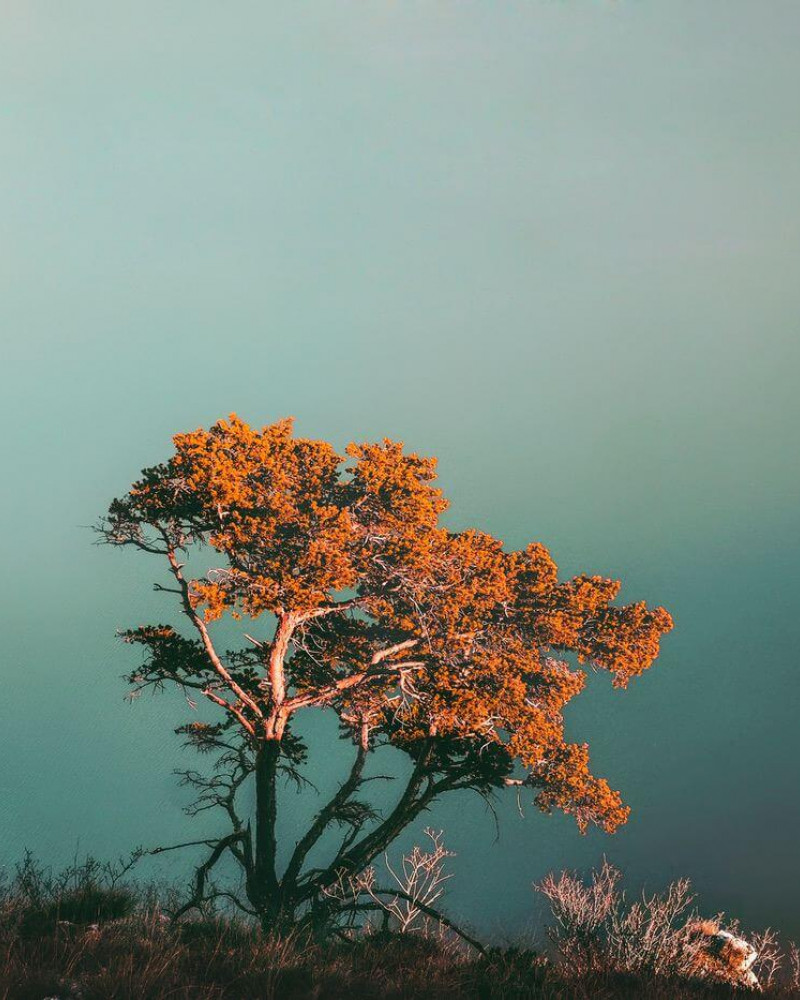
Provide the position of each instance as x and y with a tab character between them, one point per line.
413	633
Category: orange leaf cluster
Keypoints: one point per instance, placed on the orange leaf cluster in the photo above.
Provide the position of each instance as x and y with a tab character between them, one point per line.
423	635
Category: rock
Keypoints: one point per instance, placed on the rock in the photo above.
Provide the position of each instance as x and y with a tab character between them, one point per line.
724	956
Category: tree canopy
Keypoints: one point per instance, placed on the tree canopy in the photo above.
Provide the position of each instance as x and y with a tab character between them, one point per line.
355	597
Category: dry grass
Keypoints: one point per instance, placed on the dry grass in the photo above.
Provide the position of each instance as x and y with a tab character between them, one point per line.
143	960
116	945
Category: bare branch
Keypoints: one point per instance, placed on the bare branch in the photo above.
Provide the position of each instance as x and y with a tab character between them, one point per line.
436	915
201	875
211	652
334	607
322	696
326	816
244	722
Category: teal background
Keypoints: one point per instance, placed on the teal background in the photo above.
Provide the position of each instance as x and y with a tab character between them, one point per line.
553	243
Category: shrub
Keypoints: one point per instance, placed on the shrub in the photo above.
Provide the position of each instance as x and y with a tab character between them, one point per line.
37	900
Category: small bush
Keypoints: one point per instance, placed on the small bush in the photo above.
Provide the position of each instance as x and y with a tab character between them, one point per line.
37	901
91	905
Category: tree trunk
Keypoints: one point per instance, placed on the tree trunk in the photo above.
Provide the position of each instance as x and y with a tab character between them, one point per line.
263	889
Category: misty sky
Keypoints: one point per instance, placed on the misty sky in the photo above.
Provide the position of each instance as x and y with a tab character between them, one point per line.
553	242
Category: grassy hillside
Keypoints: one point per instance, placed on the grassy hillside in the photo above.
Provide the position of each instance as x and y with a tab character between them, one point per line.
87	935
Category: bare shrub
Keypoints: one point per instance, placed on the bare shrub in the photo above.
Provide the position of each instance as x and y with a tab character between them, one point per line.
597	931
419	883
38	900
651	934
408	904
581	911
793	956
769	957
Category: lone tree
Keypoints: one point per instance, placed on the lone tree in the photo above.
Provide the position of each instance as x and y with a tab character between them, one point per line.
440	644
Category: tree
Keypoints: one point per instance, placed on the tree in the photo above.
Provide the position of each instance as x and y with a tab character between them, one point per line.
438	643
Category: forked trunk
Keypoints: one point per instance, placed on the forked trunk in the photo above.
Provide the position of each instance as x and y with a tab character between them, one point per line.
283	904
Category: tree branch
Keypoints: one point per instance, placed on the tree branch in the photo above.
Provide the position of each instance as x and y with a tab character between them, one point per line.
277	654
435	914
243	721
334	607
201	874
351	859
323	695
177	847
326	816
199	624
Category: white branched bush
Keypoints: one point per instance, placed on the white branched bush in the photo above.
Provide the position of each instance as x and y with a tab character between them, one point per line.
597	930
418	883
413	887
581	912
651	935
794	966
